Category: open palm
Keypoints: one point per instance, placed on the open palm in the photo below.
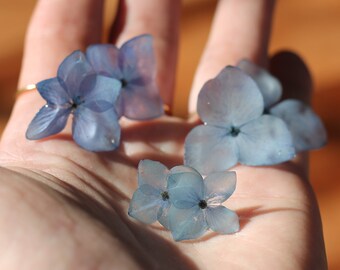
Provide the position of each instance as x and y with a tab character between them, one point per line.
62	207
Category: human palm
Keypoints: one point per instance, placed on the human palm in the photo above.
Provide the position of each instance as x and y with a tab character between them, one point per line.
63	207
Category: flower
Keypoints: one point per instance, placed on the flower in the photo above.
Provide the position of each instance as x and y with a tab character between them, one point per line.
78	90
235	129
134	65
196	204
150	202
304	124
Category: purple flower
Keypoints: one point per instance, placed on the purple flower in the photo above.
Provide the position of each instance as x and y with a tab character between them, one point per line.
196	204
134	65
304	124
78	90
235	129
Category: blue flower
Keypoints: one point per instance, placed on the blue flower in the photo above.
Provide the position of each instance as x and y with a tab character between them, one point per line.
304	124
150	202
196	204
78	90
235	129
134	65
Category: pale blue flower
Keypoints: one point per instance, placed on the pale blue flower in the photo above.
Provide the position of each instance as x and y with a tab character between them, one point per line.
150	202
78	90
235	129
196	204
134	65
304	124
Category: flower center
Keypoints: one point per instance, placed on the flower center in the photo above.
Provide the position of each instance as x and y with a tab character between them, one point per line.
234	131
202	204
76	102
124	82
165	196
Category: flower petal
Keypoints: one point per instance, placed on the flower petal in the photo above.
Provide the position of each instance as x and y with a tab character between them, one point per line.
230	99
163	215
222	220
48	121
210	149
137	59
144	207
72	71
96	131
105	60
141	102
185	189
182	169
306	127
265	141
152	173
219	186
269	86
52	91
187	224
100	93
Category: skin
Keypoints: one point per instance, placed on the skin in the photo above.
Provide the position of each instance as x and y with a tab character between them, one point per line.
62	207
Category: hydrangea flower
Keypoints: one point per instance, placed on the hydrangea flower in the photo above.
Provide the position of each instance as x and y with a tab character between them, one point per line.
150	202
78	90
196	204
235	129
304	124
134	65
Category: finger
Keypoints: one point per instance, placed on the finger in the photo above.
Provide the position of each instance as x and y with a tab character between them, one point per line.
57	28
161	20
240	29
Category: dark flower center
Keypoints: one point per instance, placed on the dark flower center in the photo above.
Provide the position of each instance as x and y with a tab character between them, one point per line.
165	196
76	102
124	82
202	204
234	131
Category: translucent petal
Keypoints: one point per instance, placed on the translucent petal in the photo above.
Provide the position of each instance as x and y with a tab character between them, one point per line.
152	173
222	220
219	186
306	127
137	59
182	169
96	131
185	189
150	190
141	102
144	207
163	215
187	224
52	91
230	99
105	60
265	141
269	86
100	93
72	71
210	149
48	121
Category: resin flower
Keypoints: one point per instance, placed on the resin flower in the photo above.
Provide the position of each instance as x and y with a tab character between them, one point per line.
235	129
134	65
89	97
150	202
196	204
304	124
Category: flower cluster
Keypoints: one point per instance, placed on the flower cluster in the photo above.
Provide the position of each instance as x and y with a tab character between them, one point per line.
237	127
98	88
182	201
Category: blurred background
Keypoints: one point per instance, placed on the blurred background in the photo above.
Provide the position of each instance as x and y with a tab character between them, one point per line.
311	29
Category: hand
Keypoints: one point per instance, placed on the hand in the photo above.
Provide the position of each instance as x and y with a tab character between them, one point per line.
62	207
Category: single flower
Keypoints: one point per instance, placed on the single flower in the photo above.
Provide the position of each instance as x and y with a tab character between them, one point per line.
196	204
150	202
78	90
235	129
305	125
135	66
